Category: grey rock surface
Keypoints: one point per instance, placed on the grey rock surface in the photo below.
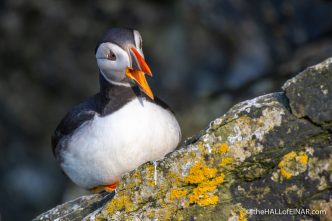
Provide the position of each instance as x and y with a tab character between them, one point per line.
270	152
78	209
309	94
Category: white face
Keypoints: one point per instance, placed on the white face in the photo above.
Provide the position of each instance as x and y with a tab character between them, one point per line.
112	60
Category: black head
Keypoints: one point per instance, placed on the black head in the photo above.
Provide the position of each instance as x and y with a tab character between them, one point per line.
120	57
120	36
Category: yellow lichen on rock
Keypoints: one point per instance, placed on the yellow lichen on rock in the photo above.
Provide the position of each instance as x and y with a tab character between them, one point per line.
119	203
226	161
199	173
285	173
174	178
205	201
221	148
150	175
239	213
207	182
292	164
201	147
242	215
288	157
203	195
302	158
178	193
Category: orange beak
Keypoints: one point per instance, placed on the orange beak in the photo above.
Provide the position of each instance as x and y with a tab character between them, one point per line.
138	70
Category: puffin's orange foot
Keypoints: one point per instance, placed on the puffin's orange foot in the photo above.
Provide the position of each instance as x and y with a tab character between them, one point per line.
111	187
107	188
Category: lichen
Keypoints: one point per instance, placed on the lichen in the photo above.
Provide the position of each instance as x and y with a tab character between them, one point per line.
119	203
302	158
199	173
226	161
242	215
206	181
221	148
285	173
178	193
294	189
256	193
293	164
317	169
150	173
288	157
239	213
201	147
245	133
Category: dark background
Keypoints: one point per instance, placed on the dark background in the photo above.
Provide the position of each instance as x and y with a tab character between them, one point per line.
205	56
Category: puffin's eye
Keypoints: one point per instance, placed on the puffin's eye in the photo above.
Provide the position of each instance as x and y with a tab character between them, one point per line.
111	56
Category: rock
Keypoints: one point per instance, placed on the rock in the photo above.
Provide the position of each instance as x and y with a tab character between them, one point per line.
77	209
271	152
310	94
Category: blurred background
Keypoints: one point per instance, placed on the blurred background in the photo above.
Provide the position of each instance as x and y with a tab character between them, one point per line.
205	55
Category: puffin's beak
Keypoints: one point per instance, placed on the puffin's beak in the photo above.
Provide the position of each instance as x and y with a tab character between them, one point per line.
138	70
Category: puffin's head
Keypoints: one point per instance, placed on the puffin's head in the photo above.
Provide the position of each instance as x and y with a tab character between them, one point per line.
120	58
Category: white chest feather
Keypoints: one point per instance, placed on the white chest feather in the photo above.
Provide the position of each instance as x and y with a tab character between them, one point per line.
103	149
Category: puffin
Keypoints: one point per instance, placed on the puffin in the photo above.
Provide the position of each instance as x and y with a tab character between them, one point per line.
122	126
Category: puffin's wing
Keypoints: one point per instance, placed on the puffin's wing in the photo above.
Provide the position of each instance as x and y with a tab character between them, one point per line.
162	103
159	102
73	120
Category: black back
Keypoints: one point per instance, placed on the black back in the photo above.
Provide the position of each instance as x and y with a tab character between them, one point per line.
81	113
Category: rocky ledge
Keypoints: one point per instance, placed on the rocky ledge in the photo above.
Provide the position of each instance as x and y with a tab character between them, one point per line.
271	152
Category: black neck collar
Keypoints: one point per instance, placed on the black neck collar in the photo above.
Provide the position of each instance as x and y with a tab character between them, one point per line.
113	96
107	88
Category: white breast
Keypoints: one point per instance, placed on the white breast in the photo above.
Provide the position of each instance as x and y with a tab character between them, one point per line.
103	149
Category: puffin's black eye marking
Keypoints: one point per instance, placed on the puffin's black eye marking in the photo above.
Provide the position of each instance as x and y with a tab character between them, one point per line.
111	56
140	43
